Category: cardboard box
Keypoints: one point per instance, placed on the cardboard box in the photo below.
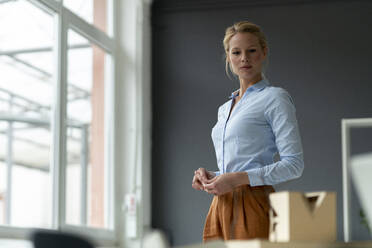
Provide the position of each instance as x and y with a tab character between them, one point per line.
296	216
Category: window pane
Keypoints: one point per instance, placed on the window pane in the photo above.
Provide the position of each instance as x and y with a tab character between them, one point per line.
96	12
86	168
26	97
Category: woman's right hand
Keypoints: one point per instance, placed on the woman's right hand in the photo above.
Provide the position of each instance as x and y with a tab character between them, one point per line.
201	176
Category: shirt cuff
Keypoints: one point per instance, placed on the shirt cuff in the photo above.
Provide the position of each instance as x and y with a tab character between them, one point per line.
255	177
217	173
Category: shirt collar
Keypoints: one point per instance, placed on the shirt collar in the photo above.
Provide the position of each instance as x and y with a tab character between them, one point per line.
256	87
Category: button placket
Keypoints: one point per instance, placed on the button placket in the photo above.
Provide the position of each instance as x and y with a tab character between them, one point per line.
228	116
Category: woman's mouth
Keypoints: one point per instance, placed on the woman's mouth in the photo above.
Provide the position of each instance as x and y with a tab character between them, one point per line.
246	67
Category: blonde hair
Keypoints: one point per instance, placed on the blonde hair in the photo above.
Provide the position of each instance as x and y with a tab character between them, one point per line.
242	27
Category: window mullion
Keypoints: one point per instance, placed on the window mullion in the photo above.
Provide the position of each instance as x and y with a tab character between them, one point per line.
84	174
59	123
50	4
109	127
9	161
89	31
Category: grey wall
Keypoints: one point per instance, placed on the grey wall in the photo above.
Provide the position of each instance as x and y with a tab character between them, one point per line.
320	51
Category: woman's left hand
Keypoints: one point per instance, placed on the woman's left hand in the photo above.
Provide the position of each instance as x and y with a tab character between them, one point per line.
225	183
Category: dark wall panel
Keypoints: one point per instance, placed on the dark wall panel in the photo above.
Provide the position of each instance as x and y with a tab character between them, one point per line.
319	51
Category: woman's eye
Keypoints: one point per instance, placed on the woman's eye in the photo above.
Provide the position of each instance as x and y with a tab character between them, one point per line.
252	50
235	53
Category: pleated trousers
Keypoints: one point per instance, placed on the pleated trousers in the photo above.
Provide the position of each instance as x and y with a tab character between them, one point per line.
240	214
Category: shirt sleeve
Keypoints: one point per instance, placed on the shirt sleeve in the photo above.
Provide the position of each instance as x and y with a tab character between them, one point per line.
280	113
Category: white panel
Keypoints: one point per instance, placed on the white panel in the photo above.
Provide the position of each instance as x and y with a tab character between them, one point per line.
346	125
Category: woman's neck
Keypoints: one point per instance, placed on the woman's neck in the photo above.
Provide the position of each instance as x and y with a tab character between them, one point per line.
245	83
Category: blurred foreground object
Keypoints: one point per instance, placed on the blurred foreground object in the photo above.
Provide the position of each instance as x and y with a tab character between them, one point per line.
155	239
346	126
56	239
296	216
361	172
257	243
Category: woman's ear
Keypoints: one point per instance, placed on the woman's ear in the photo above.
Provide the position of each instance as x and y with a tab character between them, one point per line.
266	51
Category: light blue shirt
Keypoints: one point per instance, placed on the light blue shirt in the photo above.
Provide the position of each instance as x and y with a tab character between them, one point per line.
262	126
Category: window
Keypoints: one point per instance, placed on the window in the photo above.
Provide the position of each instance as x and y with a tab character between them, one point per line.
96	12
56	104
26	63
87	202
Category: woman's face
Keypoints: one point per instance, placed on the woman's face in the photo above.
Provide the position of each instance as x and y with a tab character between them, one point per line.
246	56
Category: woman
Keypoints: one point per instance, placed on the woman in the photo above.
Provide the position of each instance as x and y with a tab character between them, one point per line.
257	143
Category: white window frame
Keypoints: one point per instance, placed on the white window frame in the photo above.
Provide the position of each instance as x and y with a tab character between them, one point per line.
65	20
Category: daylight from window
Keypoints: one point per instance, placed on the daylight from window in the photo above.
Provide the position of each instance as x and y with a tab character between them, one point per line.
26	98
27	101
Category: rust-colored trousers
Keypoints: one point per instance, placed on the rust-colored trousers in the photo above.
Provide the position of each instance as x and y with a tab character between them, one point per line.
240	214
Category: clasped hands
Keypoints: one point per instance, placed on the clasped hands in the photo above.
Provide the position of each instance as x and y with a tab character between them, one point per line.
212	184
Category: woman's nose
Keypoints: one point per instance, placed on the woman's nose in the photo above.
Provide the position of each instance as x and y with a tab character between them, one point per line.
245	57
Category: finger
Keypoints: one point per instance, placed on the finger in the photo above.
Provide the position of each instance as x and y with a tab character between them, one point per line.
212	191
196	184
198	174
203	174
210	186
209	181
201	178
210	175
194	179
